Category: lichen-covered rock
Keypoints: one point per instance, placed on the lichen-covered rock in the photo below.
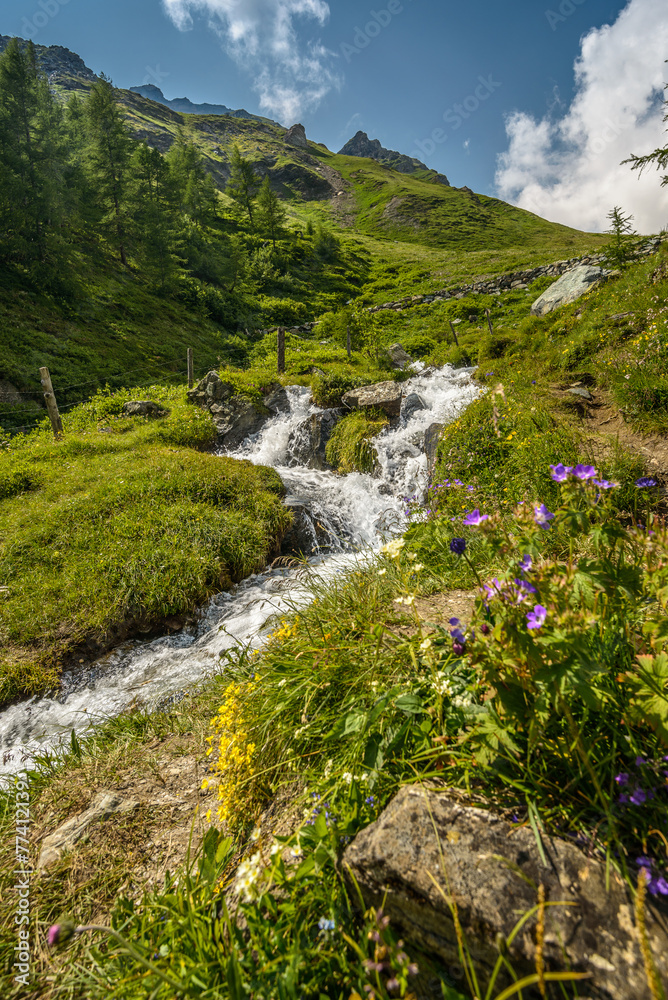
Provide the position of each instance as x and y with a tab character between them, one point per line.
427	848
570	287
398	356
385	396
142	408
235	417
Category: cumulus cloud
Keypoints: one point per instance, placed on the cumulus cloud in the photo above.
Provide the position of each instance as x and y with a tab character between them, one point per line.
291	75
567	166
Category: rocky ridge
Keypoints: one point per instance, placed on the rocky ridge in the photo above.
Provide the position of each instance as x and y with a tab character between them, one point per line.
59	63
184	106
362	145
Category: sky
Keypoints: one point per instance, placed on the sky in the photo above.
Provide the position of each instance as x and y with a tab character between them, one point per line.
534	101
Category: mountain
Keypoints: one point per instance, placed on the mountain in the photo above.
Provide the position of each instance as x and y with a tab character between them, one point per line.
60	65
362	145
185	106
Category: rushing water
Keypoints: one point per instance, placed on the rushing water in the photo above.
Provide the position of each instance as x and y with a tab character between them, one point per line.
356	511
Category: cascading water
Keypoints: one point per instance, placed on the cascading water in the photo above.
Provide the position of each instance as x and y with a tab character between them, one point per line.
354	513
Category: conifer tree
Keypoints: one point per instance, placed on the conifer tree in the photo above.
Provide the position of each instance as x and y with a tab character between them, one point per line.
270	211
31	160
154	215
243	183
109	156
196	190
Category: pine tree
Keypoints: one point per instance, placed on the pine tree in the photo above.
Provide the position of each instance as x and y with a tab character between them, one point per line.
196	189
32	160
243	183
153	202
270	212
658	159
109	157
621	247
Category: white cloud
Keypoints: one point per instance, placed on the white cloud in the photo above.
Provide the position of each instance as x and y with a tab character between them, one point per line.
568	168
291	76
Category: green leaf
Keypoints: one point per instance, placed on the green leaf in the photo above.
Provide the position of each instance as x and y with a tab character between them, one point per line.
649	702
411	704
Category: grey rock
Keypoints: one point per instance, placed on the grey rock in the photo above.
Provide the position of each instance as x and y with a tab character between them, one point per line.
570	287
427	847
277	401
104	804
311	530
385	396
398	356
235	417
362	145
296	136
307	444
584	393
431	438
142	408
412	403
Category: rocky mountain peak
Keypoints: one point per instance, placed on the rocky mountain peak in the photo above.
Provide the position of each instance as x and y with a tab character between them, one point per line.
296	136
186	107
362	145
57	62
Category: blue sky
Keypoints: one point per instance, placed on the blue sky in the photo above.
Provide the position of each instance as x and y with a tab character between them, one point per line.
485	91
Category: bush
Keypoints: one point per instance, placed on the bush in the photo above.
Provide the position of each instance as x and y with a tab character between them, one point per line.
17	479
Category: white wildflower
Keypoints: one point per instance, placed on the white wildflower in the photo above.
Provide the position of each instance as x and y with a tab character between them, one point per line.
347	777
393	548
425	645
382	572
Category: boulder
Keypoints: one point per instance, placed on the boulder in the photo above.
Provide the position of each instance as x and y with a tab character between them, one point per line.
398	357
104	804
142	408
570	287
307	444
427	848
277	401
235	417
311	530
431	438
296	136
385	396
412	403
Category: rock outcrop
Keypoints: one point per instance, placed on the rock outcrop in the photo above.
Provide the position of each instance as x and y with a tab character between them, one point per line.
362	145
296	136
398	357
569	288
66	837
385	396
58	63
427	848
236	417
308	442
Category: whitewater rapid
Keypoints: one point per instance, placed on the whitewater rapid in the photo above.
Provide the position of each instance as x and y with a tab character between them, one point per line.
357	511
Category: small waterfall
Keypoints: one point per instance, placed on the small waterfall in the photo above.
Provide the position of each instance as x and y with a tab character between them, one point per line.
348	515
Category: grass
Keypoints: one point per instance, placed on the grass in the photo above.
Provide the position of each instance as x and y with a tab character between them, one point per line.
123	523
350	447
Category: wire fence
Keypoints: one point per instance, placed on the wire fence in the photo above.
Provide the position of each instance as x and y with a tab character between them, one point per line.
34	421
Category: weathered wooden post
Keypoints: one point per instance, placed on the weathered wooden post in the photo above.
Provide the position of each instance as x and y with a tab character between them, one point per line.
454	333
51	404
281	350
191	370
489	322
348	343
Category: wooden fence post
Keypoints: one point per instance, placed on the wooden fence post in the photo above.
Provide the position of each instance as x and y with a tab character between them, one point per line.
454	332
191	370
281	350
489	322
51	404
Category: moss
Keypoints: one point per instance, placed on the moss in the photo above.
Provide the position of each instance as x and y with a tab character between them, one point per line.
349	449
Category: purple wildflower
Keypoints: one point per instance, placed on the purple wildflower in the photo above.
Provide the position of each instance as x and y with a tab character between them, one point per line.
458	648
561	472
526	563
485	629
542	516
638	797
645	483
458	546
604	484
658	886
536	618
622	779
454	621
475	518
493	589
640	761
584	472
